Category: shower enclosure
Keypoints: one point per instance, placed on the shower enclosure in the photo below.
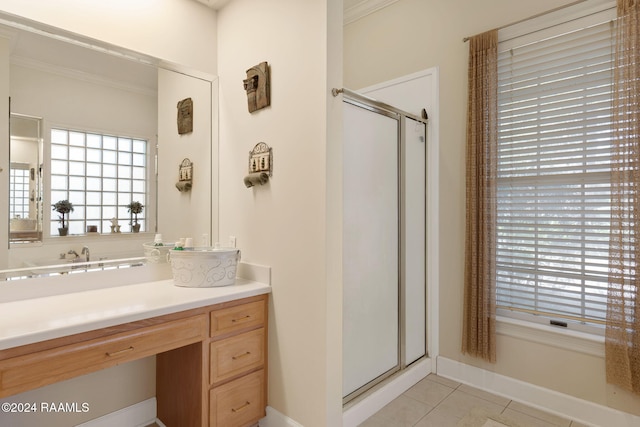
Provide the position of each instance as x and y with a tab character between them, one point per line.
384	242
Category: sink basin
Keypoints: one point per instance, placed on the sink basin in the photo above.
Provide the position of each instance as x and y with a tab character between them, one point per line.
49	266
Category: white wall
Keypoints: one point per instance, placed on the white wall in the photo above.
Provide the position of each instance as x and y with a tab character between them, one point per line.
24	151
99	106
412	35
185	214
180	31
104	391
284	223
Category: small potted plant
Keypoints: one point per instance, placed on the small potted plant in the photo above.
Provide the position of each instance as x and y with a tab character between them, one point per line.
135	208
63	207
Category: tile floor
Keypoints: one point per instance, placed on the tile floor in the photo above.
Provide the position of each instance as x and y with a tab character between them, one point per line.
438	402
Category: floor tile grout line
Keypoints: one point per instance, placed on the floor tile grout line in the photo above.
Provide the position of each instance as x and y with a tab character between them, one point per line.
457	387
505	408
537	418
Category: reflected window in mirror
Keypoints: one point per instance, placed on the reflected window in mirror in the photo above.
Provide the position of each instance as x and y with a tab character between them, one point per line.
100	175
19	190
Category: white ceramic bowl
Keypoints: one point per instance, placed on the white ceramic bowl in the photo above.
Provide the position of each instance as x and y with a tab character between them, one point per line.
204	267
156	254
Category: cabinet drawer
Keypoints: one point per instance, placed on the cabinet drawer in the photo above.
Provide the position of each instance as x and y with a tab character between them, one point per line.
46	367
236	355
239	403
236	318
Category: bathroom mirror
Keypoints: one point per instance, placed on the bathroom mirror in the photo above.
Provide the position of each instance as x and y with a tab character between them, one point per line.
99	130
94	111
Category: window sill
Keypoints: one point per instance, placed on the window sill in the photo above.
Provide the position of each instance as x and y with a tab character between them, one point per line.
550	335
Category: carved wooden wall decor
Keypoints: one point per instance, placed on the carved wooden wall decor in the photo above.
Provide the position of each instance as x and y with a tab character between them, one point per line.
260	165
257	86
185	116
185	174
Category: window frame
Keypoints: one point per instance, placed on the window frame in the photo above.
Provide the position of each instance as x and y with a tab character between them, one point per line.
24	193
573	17
148	199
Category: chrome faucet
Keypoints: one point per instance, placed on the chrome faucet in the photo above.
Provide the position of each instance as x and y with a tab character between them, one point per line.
85	252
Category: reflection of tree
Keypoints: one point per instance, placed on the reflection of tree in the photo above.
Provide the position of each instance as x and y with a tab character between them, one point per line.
63	207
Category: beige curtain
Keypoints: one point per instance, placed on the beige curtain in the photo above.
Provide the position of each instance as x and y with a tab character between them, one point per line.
478	335
622	343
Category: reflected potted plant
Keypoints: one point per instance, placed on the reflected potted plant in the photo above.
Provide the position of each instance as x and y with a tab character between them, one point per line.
135	208
63	207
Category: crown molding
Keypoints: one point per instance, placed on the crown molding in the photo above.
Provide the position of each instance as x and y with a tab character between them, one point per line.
34	64
364	8
214	4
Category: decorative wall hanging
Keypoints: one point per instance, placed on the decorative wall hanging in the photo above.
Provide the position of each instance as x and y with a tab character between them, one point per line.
260	165
185	176
185	116
257	87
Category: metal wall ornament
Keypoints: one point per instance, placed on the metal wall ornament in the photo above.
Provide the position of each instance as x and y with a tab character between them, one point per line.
260	165
185	116
185	174
257	86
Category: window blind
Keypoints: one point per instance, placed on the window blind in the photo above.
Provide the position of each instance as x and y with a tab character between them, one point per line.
553	196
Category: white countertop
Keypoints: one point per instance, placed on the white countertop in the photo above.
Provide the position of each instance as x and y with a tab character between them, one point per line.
31	320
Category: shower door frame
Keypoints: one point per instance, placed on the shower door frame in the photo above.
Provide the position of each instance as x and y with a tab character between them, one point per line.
401	116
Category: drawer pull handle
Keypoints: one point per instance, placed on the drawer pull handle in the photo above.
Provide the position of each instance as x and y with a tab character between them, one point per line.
119	352
240	319
241	408
240	356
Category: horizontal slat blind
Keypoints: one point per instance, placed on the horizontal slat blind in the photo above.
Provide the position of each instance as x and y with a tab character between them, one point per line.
554	133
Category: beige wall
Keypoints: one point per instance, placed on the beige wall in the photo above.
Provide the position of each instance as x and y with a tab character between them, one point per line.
283	224
4	142
180	31
293	223
413	35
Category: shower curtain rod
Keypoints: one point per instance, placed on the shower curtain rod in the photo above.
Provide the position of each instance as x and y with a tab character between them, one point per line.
466	39
365	99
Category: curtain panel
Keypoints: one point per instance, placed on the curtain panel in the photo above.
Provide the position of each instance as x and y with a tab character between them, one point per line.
478	335
622	343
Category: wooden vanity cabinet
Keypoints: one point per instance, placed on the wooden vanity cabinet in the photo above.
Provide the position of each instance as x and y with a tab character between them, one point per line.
238	355
211	362
230	367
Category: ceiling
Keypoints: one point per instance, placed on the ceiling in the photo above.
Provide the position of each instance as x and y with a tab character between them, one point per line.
353	9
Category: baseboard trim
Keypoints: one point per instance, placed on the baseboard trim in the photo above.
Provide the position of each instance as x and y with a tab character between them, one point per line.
357	413
360	411
564	405
277	419
138	415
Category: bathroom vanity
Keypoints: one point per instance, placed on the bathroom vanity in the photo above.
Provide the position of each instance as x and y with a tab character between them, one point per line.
210	345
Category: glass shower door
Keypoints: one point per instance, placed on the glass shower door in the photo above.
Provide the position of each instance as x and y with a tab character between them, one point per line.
370	247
